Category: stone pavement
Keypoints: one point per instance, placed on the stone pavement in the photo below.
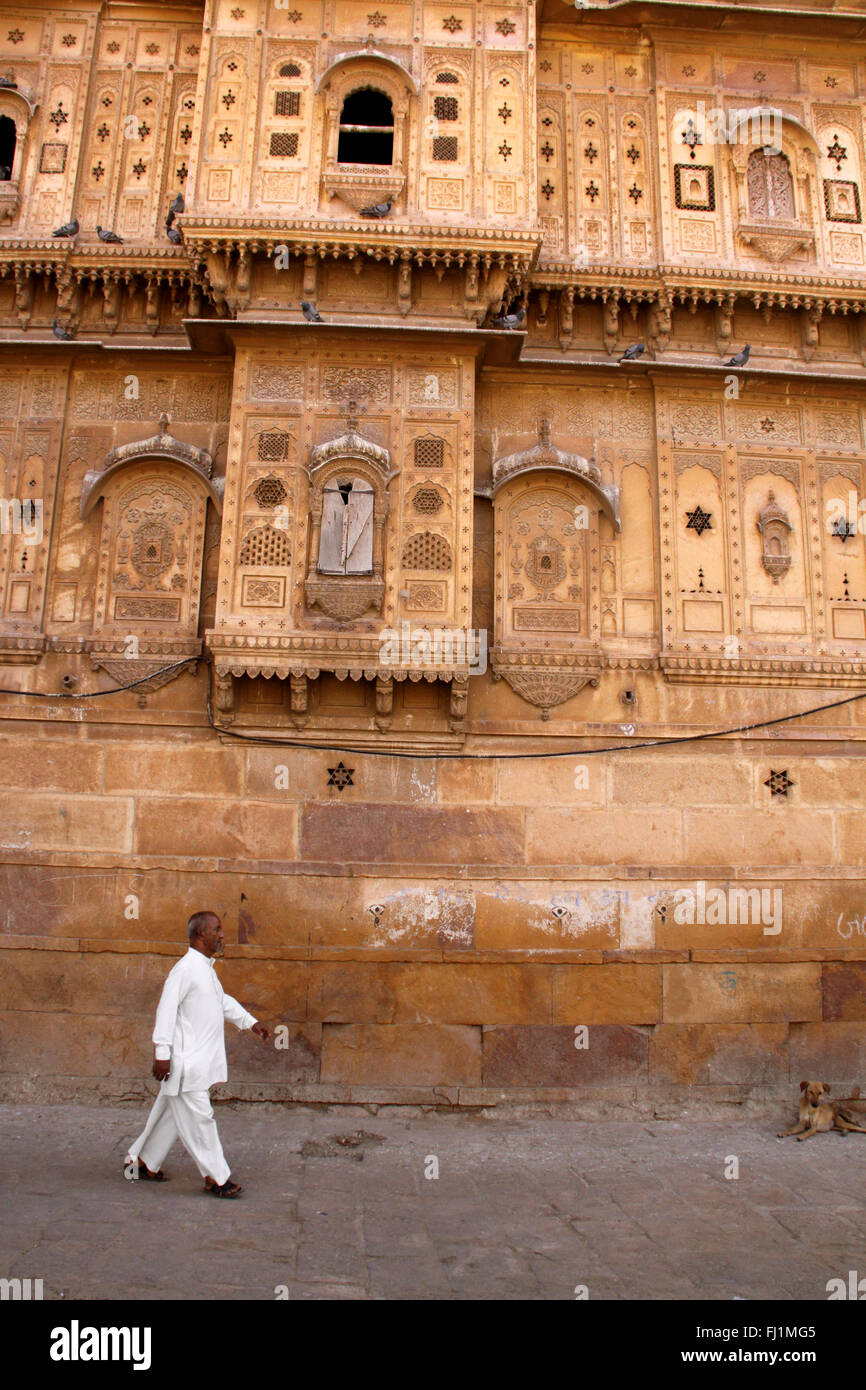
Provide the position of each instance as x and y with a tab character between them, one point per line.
337	1205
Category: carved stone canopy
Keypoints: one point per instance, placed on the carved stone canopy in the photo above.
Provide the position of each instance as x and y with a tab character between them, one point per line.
351	445
775	528
159	446
761	118
546	456
367	56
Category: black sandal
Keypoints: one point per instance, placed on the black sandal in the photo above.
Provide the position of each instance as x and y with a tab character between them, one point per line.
225	1189
144	1171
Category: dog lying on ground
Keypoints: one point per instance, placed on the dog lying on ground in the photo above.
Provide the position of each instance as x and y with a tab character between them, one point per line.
817	1115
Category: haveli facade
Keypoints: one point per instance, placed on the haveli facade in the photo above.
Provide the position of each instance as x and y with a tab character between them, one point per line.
452	882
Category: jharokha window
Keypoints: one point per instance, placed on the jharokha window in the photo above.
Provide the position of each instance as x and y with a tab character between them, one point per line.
8	140
366	129
771	188
346	542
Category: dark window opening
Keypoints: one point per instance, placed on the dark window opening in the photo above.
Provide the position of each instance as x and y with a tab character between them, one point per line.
445	148
287	104
445	108
8	137
290	70
366	129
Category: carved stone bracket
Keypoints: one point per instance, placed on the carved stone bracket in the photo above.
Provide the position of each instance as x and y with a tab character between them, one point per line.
546	685
774	241
345	597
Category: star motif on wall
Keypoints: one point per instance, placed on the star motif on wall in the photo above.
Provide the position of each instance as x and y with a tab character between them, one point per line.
590	152
452	24
107	100
837	152
376	20
504	82
340	776
103	132
630	71
831	82
760	75
688	70
547	151
505	26
15	36
59	117
592	190
699	520
768	425
68	40
293	16
189	104
98	170
635	193
185	134
546	121
139	169
232	66
504	150
505	113
238	13
228	99
633	153
151	48
147	101
192	50
113	47
181	172
143	131
225	138
545	65
632	124
548	189
778	782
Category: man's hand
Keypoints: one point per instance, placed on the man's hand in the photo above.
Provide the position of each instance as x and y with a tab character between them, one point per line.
260	1031
161	1068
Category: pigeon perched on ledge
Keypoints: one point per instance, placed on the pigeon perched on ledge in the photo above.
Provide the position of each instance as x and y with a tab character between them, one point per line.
378	209
632	353
107	235
174	236
310	312
175	206
9	82
62	333
68	228
510	320
740	358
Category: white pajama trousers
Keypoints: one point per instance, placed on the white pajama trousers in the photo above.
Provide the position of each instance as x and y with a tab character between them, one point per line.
188	1116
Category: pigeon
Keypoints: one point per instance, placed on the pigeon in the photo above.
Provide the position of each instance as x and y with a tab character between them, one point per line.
311	313
174	236
8	82
632	353
175	206
68	228
510	320
377	209
740	358
107	236
62	333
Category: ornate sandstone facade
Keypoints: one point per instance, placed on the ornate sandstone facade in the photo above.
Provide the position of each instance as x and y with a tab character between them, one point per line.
230	537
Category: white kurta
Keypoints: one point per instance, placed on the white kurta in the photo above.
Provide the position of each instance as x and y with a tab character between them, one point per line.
190	1025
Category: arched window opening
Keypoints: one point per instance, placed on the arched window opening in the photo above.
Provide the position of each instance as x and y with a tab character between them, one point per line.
8	138
346	541
366	129
771	188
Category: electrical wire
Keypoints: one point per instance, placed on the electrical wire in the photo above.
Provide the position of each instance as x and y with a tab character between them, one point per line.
334	747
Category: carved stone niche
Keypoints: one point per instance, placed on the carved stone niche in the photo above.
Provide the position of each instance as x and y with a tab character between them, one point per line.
155	494
349	479
772	183
362	183
547	624
17	108
775	529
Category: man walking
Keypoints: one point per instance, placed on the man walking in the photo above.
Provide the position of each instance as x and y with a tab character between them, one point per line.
189	1057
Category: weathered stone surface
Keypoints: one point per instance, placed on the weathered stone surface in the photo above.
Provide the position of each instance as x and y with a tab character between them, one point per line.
828	1052
780	836
52	821
602	837
700	1054
615	993
674	780
570	781
174	770
276	773
464	781
67	765
297	1058
548	1056
546	915
428	993
844	991
382	834
215	829
401	1055
741	993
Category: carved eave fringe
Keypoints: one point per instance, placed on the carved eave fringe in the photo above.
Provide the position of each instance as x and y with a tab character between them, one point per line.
283	670
669	285
721	670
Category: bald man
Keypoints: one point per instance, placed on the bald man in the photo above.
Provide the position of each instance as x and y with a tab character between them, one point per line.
190	1057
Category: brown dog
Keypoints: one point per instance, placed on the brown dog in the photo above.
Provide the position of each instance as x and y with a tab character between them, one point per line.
818	1115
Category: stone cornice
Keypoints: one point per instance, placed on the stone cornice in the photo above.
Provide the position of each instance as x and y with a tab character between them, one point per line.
382	240
707	284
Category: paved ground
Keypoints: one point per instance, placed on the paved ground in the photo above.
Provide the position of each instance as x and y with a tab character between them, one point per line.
337	1205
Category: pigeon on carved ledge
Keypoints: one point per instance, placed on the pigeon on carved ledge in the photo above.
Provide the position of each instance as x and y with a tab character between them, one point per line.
62	333
632	353
310	312
175	206
378	209
510	321
174	236
8	82
740	358
68	228
105	235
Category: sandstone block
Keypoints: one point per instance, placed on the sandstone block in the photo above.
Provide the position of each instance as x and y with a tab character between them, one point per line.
615	993
547	1056
57	821
668	780
737	993
466	781
424	1054
613	837
434	993
546	916
831	1052
426	834
302	776
173	769
215	829
743	838
697	1054
35	764
844	991
296	1060
571	781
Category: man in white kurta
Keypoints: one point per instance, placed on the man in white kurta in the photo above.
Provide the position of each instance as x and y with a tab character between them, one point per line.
189	1057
